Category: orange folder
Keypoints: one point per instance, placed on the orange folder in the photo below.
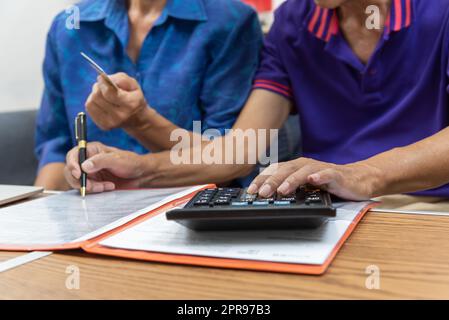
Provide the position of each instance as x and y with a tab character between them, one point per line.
94	246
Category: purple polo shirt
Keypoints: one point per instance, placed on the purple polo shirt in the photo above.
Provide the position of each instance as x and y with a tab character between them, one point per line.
350	111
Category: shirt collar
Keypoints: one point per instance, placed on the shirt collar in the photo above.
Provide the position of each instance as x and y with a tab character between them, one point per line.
180	9
401	15
323	23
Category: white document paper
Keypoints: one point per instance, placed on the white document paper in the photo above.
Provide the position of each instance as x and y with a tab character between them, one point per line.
307	246
67	218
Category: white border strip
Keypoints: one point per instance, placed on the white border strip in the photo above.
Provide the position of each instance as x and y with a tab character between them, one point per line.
21	260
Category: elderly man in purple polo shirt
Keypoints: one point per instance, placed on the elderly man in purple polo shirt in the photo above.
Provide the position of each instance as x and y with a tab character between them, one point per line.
372	100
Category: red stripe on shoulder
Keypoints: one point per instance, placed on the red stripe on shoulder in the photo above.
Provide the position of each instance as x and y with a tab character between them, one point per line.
333	28
322	23
408	12
273	88
397	15
314	19
281	86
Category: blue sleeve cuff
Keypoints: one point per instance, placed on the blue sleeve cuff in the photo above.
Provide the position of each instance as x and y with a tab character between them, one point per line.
53	151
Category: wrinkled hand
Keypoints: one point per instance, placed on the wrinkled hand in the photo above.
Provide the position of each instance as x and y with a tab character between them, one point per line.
357	181
107	168
110	108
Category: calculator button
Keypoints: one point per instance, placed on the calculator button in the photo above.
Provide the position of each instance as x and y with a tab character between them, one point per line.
221	202
289	199
239	203
261	203
223	198
282	203
201	203
313	199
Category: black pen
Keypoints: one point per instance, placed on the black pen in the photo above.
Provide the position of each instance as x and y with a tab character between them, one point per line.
81	138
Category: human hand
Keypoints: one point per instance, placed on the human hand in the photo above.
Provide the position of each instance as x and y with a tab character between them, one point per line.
357	181
124	108
107	168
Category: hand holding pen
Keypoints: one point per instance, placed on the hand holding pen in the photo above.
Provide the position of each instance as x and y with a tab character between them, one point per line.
81	138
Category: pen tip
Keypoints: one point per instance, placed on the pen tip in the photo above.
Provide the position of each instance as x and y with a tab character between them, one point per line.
83	192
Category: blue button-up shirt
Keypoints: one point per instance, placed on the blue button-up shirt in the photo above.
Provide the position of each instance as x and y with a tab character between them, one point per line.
197	63
351	111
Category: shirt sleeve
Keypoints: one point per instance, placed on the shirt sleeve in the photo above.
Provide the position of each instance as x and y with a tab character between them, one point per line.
446	54
53	139
272	74
229	76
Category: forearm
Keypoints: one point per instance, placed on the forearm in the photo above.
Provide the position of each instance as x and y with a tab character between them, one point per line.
420	166
51	177
166	174
153	131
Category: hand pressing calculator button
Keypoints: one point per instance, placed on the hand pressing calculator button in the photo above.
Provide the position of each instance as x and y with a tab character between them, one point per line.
235	209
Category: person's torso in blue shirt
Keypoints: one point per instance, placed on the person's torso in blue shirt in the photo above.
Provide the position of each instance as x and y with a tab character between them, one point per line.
197	63
351	111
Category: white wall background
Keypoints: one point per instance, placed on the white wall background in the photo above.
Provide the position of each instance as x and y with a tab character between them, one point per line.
23	28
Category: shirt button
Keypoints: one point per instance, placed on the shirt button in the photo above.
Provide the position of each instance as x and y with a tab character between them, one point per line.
372	72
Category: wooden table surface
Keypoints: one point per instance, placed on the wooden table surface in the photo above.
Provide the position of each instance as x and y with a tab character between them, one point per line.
411	252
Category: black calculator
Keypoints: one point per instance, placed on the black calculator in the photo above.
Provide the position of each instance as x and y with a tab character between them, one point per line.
235	209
